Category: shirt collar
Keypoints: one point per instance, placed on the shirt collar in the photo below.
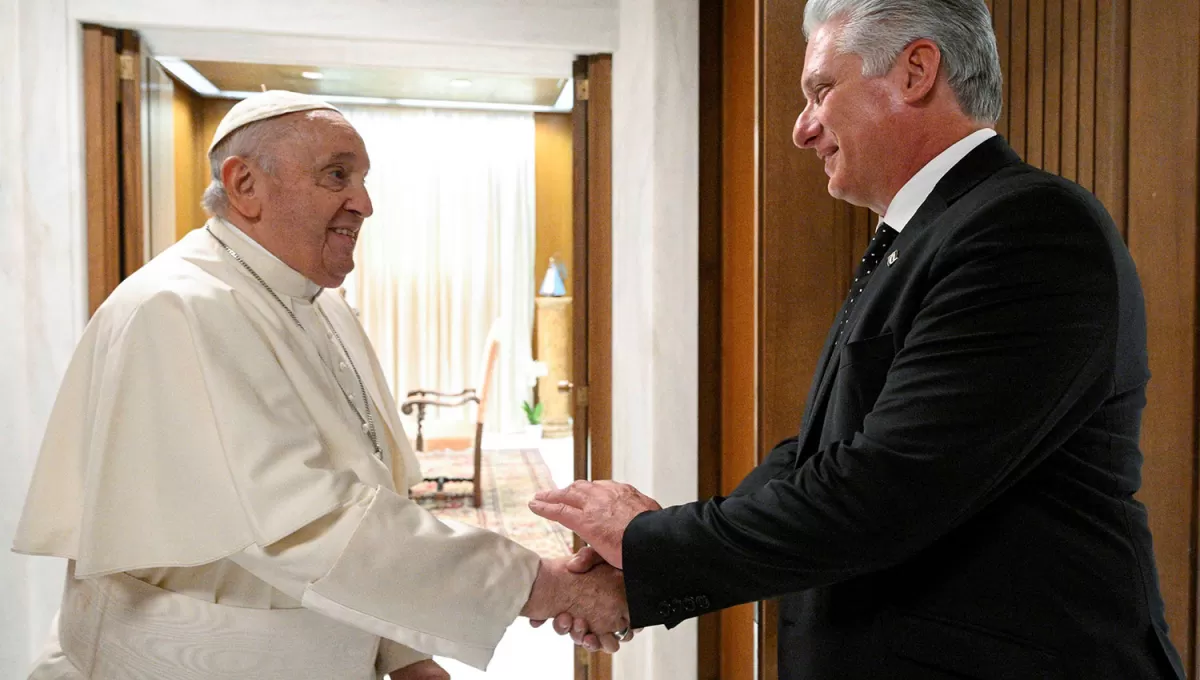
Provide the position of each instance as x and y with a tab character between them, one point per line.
281	278
916	190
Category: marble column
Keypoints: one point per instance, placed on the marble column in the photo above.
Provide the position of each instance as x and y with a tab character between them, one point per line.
655	281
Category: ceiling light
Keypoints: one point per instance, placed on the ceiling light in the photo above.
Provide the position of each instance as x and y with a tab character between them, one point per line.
460	82
189	75
566	97
313	75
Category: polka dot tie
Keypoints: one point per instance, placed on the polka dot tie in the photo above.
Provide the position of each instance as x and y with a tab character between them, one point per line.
880	243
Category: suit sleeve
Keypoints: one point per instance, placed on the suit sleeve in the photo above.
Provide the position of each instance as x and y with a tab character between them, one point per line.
778	463
1009	352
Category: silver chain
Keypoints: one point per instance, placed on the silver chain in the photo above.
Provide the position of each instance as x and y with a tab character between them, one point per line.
368	422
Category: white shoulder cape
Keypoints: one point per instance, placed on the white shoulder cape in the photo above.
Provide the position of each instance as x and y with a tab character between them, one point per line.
193	422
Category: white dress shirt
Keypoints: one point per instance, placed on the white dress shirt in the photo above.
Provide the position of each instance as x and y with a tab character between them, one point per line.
914	192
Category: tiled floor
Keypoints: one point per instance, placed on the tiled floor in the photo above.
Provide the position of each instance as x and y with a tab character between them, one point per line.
526	653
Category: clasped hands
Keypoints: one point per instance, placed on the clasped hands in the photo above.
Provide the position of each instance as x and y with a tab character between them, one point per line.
585	593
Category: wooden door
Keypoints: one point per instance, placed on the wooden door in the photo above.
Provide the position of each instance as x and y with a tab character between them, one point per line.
592	398
1106	94
112	102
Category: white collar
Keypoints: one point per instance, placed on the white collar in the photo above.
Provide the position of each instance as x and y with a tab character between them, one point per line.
280	277
916	190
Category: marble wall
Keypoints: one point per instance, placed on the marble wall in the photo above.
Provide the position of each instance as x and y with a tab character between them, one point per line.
655	281
41	288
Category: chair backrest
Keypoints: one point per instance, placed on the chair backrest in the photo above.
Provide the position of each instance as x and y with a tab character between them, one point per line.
487	370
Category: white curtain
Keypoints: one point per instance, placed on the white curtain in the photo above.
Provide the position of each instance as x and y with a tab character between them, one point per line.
449	251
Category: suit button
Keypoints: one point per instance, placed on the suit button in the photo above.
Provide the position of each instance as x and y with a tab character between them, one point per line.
702	602
689	604
664	610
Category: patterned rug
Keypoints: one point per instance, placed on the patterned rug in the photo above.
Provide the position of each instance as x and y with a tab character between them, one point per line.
510	479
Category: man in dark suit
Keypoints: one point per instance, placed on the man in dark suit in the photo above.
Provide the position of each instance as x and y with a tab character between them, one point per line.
959	502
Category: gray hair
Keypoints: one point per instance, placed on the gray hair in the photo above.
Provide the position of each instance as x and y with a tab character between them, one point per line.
252	141
879	30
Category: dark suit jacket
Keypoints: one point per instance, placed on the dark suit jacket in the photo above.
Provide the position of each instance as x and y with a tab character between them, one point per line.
959	502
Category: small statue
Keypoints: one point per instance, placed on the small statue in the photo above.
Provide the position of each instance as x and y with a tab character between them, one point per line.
552	283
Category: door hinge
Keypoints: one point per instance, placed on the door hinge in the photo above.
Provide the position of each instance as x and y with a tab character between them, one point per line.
581	395
581	90
128	67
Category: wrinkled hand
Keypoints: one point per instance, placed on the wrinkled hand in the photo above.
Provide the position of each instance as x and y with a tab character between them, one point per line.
598	511
610	643
421	670
595	597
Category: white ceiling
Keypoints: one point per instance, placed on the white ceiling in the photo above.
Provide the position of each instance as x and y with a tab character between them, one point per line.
516	37
387	83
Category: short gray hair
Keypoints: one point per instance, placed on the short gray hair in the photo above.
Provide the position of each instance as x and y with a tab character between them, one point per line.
252	141
879	30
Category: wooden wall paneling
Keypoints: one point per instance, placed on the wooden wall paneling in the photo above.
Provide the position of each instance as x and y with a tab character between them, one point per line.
1018	56
600	268
1052	101
1112	105
133	195
1086	174
709	372
1035	71
102	185
1164	100
190	175
1069	135
553	204
800	283
1001	10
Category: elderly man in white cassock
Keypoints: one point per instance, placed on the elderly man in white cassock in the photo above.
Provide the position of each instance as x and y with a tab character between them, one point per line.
225	470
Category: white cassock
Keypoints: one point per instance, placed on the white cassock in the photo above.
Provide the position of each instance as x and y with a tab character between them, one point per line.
223	510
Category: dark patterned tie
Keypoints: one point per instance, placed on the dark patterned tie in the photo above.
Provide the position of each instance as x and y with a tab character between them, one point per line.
880	243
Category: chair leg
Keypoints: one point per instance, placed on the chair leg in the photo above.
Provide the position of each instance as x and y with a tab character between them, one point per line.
420	427
478	484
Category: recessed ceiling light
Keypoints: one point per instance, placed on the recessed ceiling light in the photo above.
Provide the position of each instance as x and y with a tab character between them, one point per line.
313	75
460	82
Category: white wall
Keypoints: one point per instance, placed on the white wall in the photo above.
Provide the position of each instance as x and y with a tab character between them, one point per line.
42	268
580	25
41	288
655	289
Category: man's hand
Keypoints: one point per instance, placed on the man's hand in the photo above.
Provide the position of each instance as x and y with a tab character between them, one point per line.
421	670
595	598
597	511
581	563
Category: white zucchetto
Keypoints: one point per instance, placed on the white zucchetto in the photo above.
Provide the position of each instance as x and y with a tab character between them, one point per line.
265	105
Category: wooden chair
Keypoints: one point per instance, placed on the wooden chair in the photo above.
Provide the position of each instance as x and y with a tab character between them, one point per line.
458	434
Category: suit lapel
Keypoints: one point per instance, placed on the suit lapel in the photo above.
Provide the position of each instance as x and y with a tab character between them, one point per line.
826	366
982	162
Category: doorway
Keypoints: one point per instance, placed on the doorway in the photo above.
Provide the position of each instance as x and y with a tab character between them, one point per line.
134	199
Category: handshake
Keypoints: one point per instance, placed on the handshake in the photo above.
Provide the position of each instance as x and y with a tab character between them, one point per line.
585	594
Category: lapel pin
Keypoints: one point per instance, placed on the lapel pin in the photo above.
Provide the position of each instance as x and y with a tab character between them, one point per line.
895	255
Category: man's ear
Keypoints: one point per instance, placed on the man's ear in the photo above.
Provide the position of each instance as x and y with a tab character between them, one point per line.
919	65
242	187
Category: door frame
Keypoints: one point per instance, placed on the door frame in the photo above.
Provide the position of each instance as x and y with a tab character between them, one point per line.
112	104
591	133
